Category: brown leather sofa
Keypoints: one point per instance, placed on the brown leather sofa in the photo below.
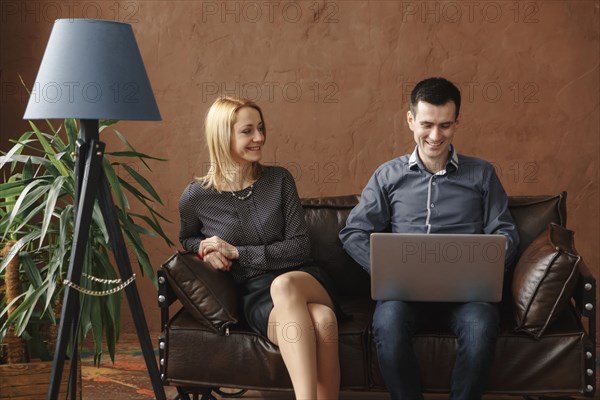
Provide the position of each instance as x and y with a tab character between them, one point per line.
199	359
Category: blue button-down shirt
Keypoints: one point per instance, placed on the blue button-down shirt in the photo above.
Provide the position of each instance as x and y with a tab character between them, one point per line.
403	196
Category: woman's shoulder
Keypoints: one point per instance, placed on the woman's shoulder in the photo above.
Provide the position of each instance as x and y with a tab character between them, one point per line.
196	186
278	178
276	172
193	190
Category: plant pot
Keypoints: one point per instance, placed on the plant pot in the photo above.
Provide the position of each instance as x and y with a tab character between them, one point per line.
30	381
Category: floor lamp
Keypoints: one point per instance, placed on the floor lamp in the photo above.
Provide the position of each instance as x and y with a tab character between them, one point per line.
93	70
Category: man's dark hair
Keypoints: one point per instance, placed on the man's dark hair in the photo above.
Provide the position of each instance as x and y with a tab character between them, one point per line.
436	91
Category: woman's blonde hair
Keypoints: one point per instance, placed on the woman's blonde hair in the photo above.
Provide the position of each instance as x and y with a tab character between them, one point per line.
218	127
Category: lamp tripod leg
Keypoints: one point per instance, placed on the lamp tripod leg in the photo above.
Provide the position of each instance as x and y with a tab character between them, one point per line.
83	219
72	381
92	184
135	305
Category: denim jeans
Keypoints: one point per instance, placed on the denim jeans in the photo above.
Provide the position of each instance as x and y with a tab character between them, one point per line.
474	324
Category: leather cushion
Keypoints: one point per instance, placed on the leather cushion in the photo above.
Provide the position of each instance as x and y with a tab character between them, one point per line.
325	217
207	294
544	279
532	214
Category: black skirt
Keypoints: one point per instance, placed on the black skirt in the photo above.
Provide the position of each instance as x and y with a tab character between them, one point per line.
256	302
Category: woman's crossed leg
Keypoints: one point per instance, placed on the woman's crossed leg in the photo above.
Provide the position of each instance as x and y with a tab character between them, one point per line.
304	326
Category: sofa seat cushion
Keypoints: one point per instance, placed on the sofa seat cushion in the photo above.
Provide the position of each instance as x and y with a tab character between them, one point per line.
522	364
354	336
195	354
527	365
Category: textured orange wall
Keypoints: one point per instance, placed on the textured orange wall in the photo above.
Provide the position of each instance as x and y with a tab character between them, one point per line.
334	77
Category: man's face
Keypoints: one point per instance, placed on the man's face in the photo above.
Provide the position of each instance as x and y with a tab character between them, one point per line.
433	127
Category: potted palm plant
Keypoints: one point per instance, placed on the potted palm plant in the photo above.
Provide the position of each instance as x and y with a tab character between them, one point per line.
36	230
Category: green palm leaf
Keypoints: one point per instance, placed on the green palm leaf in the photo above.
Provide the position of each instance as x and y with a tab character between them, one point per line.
136	154
143	182
53	193
36	209
155	226
113	181
24	201
50	151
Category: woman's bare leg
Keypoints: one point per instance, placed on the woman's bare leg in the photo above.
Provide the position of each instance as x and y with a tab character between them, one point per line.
328	361
292	328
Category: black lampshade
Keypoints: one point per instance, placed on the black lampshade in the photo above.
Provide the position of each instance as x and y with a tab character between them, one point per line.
92	70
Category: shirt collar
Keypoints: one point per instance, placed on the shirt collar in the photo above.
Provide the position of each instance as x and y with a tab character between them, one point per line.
415	162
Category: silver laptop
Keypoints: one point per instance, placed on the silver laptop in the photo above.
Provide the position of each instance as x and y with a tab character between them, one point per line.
437	267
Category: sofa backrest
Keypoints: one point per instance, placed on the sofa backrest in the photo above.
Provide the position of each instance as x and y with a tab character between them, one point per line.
326	216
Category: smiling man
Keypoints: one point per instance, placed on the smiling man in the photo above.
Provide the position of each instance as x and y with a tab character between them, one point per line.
433	127
432	190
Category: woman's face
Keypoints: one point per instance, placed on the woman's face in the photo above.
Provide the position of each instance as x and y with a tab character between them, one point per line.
247	137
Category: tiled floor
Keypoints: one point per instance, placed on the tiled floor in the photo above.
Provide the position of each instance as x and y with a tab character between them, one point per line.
127	379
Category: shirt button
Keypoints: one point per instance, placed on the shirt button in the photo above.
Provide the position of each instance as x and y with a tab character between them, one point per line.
434	183
432	205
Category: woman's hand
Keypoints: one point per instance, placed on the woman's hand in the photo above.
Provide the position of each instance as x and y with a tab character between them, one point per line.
218	261
216	244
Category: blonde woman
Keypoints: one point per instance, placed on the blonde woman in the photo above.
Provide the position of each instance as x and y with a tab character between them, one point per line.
246	218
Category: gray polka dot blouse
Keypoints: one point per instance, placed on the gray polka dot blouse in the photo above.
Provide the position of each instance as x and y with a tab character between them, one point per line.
267	227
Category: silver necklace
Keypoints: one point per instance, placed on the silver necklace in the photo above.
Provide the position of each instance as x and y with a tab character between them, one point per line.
244	197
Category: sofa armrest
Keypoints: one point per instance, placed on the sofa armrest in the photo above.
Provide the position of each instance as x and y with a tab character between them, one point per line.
585	304
166	296
585	294
207	294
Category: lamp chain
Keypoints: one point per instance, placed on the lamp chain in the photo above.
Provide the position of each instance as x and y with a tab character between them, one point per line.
107	292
